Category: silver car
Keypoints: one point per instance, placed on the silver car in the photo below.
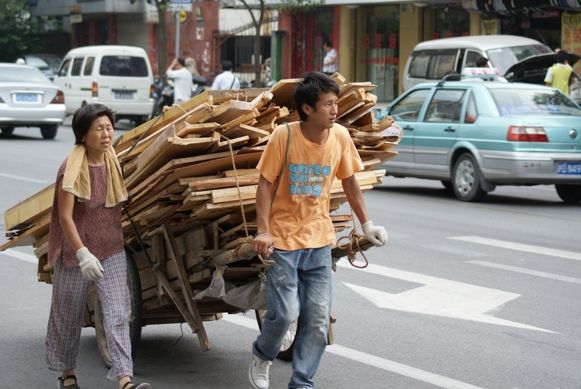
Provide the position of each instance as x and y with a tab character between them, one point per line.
29	99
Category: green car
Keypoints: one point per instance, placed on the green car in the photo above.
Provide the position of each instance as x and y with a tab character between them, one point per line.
475	135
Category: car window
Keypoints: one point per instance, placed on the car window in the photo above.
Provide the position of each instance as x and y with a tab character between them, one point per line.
21	73
64	68
471	58
76	69
410	106
442	63
471	112
88	66
123	66
533	101
504	58
419	65
445	106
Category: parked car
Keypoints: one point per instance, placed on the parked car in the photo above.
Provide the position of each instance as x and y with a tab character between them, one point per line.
475	135
117	76
432	60
29	99
40	64
52	60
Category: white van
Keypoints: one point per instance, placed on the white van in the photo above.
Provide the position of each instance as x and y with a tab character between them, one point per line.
119	77
432	60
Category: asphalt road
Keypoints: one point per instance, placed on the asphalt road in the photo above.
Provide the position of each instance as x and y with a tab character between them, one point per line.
465	296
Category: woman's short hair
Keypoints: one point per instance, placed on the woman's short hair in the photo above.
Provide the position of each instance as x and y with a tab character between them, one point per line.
84	117
310	88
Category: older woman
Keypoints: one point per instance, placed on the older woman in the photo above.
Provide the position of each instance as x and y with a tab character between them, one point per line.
86	246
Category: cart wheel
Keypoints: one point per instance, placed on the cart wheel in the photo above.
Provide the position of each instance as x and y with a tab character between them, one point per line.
286	349
134	319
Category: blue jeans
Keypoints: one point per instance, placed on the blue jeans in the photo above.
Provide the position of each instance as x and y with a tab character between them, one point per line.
299	285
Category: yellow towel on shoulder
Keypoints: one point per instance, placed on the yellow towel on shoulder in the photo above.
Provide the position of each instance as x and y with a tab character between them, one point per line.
77	179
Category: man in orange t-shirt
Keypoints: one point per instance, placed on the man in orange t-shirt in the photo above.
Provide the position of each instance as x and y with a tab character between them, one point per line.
295	230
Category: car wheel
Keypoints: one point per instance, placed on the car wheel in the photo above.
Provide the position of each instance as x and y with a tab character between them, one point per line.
7	130
570	194
49	132
466	179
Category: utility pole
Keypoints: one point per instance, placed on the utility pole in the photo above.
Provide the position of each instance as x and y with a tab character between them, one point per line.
178	28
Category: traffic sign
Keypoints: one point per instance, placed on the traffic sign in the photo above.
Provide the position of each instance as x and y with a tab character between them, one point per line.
180	5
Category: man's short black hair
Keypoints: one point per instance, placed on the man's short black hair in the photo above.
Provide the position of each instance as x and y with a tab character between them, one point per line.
84	117
310	89
561	56
227	65
328	44
482	62
181	61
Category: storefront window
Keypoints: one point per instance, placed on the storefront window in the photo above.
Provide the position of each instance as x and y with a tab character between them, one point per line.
311	30
381	50
451	22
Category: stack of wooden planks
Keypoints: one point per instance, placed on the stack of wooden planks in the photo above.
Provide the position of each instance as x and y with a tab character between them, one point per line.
191	177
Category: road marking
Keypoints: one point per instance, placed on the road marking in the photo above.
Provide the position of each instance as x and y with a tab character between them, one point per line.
372	360
520	247
19	255
20	178
439	297
542	274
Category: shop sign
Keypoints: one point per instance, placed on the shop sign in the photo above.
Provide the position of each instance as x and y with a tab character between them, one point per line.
490	26
571	34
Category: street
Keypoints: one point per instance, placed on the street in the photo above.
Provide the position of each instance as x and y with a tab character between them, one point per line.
464	295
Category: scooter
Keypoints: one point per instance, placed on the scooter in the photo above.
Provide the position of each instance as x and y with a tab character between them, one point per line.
164	94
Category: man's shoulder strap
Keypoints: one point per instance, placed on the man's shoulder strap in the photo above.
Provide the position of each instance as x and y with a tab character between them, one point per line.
283	164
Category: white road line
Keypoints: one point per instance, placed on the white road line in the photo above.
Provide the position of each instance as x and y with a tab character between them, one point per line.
18	255
522	270
20	178
372	360
519	247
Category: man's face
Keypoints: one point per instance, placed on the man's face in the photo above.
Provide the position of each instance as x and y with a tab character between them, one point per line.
324	113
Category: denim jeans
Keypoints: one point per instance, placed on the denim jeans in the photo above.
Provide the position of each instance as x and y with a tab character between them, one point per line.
299	285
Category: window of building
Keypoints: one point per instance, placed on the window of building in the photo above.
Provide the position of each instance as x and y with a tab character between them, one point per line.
381	50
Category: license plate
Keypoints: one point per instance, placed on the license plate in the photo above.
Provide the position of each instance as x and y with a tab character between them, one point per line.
26	98
569	168
124	95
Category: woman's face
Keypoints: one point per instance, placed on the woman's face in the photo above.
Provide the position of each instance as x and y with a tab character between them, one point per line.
100	135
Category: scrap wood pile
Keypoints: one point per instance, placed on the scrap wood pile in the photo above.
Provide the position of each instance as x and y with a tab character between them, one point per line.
191	177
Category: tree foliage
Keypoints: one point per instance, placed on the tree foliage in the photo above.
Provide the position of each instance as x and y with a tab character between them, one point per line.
16	29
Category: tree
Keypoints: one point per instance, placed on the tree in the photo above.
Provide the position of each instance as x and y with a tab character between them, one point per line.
162	6
16	29
258	21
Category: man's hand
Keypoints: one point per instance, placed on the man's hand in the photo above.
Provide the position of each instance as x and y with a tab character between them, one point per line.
89	264
262	244
375	234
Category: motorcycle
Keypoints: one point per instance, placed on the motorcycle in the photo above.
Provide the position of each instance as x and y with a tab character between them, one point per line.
164	93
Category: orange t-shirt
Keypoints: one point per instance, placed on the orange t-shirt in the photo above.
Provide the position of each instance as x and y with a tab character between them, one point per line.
299	215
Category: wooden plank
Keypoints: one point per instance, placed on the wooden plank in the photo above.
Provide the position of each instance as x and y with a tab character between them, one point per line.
186	288
29	209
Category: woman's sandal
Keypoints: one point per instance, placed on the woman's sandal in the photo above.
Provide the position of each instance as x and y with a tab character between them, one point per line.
131	385
62	380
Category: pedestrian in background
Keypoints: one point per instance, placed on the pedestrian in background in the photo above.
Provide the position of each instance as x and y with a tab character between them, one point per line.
330	64
226	79
182	80
560	75
86	246
297	169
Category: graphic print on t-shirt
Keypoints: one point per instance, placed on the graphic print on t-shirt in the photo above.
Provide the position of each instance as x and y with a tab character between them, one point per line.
307	179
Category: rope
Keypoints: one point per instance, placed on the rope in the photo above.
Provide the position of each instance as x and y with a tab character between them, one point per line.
244	224
352	248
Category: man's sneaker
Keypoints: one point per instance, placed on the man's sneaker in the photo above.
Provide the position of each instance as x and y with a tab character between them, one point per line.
258	372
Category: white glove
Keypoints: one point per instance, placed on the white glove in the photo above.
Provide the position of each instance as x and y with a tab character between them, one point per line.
375	234
89	264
